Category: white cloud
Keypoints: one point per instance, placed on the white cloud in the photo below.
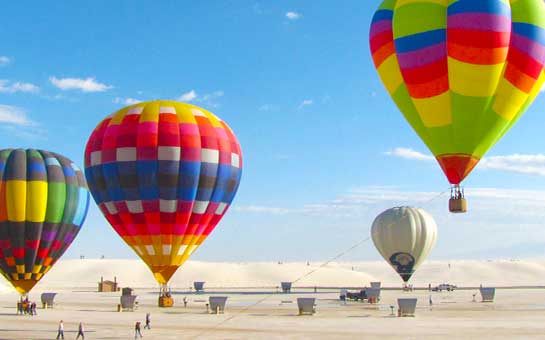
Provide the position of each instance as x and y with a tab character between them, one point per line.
261	210
188	96
516	163
85	85
4	60
126	101
306	102
7	87
264	107
14	115
293	15
523	164
409	154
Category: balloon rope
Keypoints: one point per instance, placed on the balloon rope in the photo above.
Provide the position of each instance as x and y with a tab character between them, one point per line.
339	255
266	297
434	198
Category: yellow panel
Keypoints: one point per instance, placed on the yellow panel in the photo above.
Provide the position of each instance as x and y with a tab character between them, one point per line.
213	119
36	201
27	276
183	111
537	86
390	74
36	269
20	268
508	100
434	111
474	80
118	117
150	112
16	200
400	3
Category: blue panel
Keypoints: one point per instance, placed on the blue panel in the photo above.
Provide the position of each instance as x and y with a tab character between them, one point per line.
418	41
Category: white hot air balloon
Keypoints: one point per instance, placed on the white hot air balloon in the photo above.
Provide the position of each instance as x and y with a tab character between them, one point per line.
404	236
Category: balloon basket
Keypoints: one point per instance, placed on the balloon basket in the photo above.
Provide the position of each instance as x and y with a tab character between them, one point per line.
166	301
457	205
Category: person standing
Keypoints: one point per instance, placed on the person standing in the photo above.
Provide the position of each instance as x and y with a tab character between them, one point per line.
137	331
185	301
81	331
148	321
60	334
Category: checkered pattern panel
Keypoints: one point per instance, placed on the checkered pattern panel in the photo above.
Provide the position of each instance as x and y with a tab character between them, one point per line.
43	204
163	173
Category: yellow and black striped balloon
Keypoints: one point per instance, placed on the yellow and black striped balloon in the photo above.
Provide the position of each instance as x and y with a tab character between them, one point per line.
43	204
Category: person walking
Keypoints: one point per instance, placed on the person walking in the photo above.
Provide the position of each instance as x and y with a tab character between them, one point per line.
60	334
185	301
81	331
137	331
148	321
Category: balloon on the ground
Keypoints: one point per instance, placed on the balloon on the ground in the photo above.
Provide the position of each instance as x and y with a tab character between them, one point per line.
163	174
43	204
462	72
404	236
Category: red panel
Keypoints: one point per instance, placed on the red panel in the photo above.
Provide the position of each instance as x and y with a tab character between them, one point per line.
486	39
425	74
457	167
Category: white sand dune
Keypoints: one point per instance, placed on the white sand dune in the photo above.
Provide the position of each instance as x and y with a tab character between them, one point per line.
133	273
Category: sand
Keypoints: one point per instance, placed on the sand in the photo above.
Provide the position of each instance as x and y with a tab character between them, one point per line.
258	311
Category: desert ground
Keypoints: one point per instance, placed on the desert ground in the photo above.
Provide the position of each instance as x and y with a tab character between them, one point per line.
257	310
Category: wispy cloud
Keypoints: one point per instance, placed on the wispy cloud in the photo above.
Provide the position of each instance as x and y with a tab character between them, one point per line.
523	164
265	107
261	210
293	15
516	163
14	115
4	60
7	87
408	153
188	96
86	85
126	101
208	99
306	102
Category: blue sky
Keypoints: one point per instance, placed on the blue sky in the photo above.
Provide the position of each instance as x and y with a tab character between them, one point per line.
325	148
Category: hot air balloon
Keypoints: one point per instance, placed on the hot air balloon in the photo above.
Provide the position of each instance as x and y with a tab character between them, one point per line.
163	174
404	236
43	204
462	72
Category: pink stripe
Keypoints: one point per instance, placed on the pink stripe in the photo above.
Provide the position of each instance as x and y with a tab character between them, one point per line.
148	127
189	129
529	47
184	206
480	22
191	154
381	26
422	57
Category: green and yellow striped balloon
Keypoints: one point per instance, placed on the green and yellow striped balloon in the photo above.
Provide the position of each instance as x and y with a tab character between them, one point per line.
462	72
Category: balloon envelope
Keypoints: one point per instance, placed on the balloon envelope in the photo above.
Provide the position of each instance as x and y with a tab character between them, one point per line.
404	236
43	204
163	173
461	72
